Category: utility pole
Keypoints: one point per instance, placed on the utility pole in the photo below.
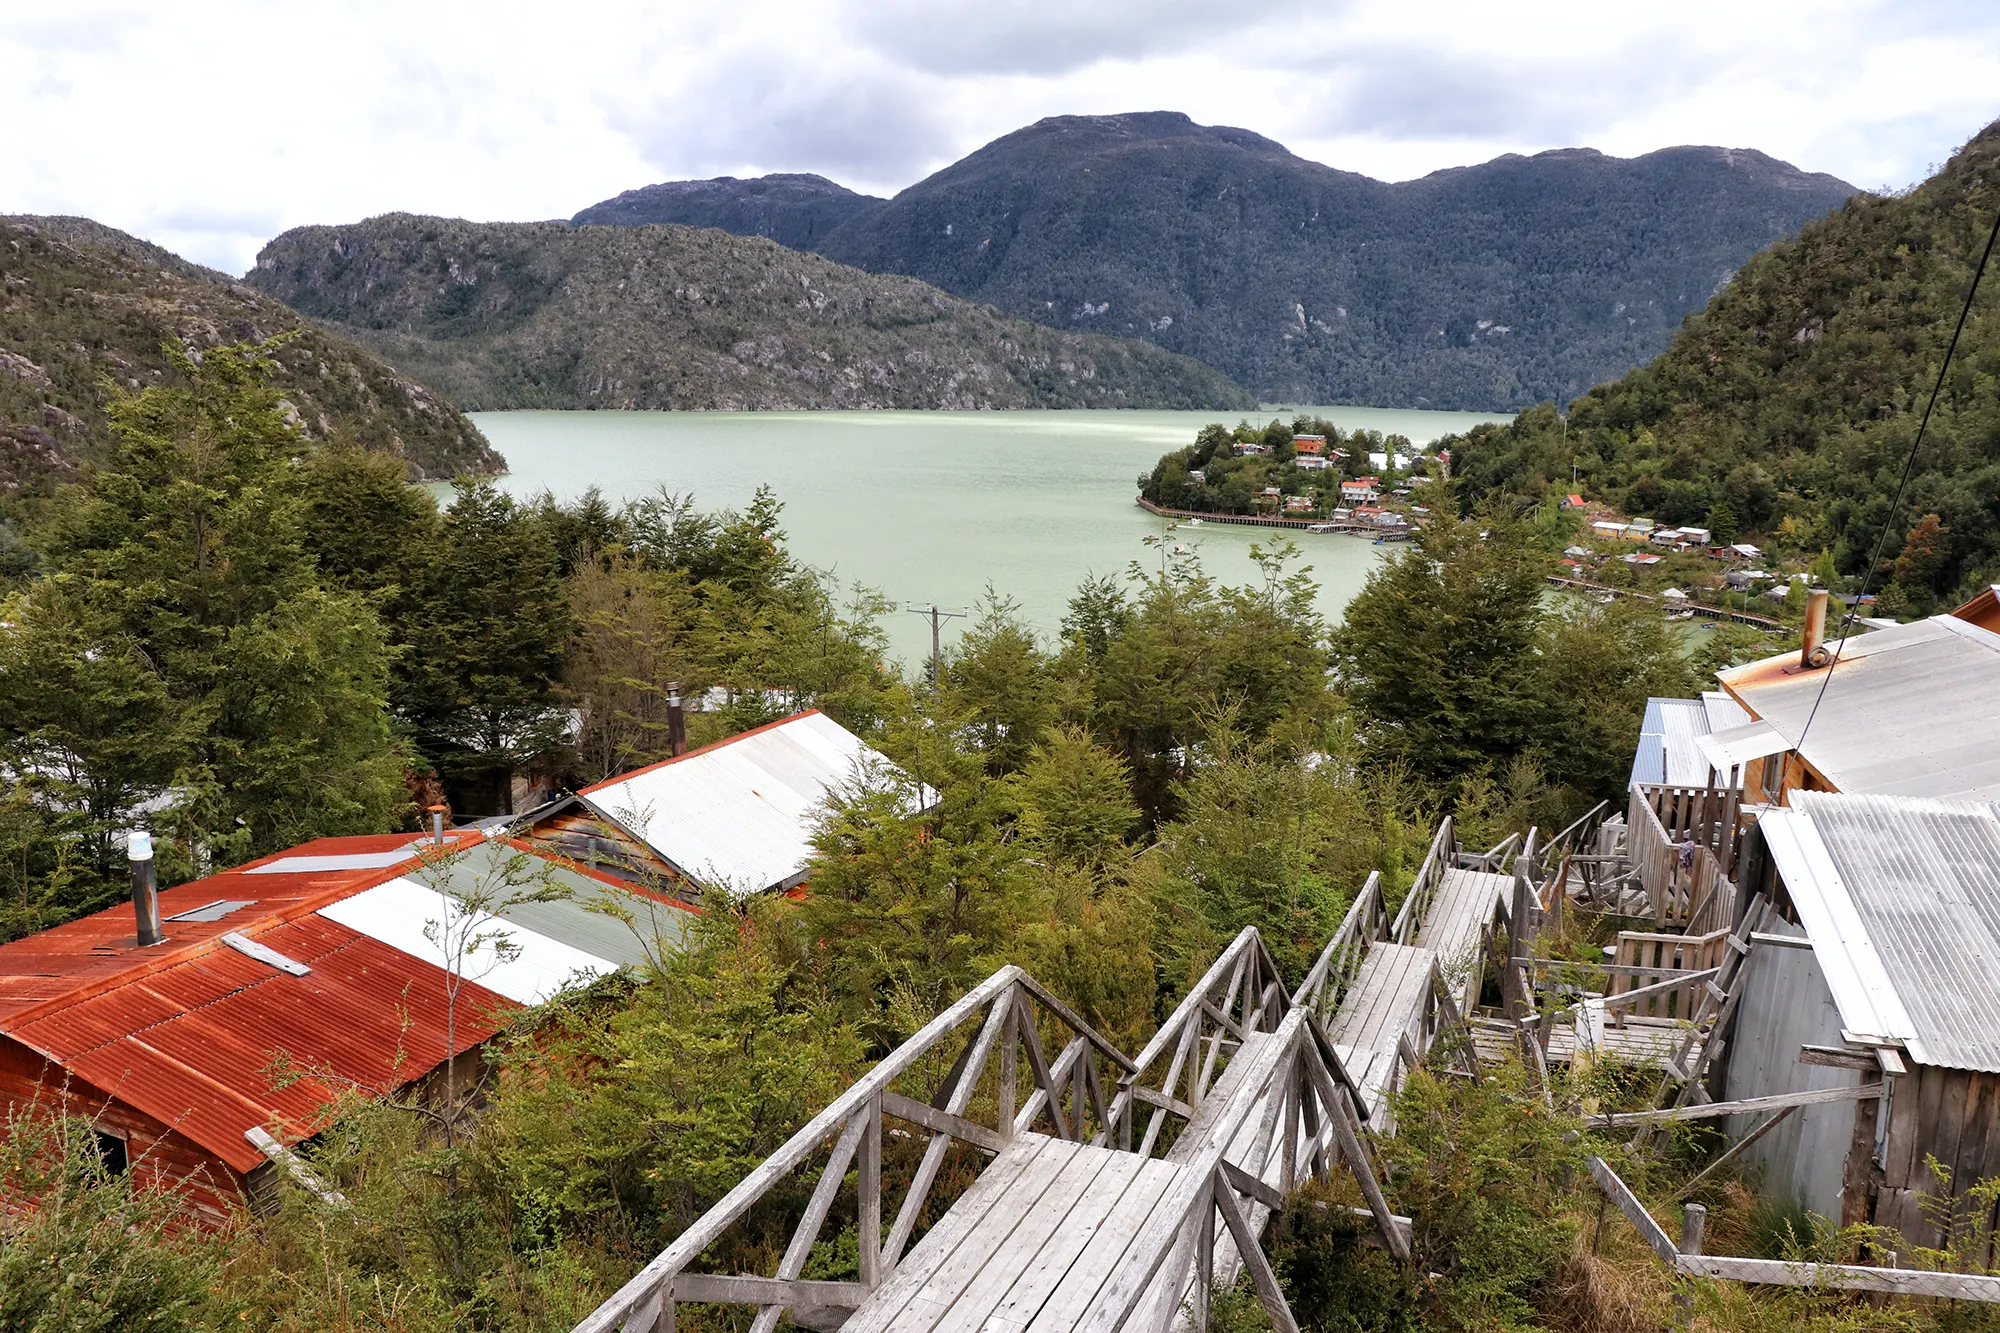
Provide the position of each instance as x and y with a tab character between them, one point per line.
938	617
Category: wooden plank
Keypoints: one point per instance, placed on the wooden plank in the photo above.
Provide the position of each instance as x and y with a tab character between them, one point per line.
943	1122
1746	1105
1635	1212
1844	1277
868	1172
951	1231
806	1234
1097	1213
1108	1252
1269	1293
717	1288
966	1311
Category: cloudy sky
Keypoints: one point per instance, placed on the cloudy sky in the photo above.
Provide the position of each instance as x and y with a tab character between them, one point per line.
209	128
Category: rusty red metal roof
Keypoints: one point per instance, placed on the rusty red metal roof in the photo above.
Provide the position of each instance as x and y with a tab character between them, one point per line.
192	1032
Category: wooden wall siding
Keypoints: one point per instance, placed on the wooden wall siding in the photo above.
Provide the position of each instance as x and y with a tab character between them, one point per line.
1786	1004
1954	1116
1699	896
211	1192
1662	956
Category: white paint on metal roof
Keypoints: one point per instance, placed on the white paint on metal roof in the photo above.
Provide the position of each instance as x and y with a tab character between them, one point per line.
1909	711
264	953
1901	898
740	816
1725	750
311	865
503	956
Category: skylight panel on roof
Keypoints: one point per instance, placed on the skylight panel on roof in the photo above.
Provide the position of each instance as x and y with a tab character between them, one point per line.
309	865
214	911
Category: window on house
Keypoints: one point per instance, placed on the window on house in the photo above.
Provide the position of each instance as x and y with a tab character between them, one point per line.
111	1151
1774	776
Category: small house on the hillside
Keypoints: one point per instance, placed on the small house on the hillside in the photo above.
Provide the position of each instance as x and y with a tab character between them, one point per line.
1310	446
1912	710
1299	504
1312	462
1361	490
335	959
1607	530
1246	448
1643	558
736	817
1571	502
1892	987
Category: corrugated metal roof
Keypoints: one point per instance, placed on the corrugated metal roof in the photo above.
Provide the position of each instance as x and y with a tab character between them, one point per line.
1723	711
740	815
1901	897
1668	751
188	1031
614	922
503	956
1725	751
1909	711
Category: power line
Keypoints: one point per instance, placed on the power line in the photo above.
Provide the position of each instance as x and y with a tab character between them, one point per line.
937	618
1896	501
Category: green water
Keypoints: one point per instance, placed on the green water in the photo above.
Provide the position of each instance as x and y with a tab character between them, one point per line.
934	506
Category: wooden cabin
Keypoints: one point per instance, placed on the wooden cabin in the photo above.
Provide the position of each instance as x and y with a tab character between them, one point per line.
319	958
1881	976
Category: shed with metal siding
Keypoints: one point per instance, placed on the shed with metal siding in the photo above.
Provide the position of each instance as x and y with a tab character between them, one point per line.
1900	899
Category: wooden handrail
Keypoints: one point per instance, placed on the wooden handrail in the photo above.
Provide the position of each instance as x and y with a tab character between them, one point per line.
1424	887
1366	908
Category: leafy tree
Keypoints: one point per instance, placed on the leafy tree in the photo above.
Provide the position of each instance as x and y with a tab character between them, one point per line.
1925	551
1721	523
185	652
1437	651
998	676
1076	800
487	624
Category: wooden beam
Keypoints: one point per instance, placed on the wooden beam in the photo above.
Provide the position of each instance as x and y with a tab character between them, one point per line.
732	1290
1161	1100
1844	1277
1269	1293
1635	1212
1251	1187
943	1122
295	1166
1623	998
868	1170
1838	1057
1734	1151
1746	1106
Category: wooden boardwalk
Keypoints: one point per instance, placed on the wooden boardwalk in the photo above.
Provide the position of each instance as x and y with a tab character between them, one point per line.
1102	1211
1455	929
1031	1245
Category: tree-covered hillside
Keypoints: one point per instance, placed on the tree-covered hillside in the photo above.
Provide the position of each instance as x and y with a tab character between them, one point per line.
548	315
83	316
1786	409
1486	287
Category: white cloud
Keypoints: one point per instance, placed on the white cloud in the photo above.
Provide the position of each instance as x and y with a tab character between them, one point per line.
208	128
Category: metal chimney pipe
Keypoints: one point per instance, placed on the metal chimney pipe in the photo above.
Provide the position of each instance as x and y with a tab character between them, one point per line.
1812	650
437	825
145	902
677	731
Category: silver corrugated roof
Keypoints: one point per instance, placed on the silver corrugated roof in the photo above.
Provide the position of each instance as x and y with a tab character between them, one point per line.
624	927
1909	711
1668	751
740	815
1901	897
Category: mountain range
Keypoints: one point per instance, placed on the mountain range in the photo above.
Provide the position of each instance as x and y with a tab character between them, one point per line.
544	314
84	312
1483	287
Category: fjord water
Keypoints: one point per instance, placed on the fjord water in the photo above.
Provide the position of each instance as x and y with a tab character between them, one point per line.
936	506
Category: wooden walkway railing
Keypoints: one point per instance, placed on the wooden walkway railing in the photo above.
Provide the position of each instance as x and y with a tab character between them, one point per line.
1681	860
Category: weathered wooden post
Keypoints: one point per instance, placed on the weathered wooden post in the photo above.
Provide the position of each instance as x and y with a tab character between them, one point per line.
1694	1221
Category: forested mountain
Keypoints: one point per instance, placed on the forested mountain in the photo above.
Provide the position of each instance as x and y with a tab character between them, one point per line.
1483	287
1787	407
791	209
86	308
543	314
